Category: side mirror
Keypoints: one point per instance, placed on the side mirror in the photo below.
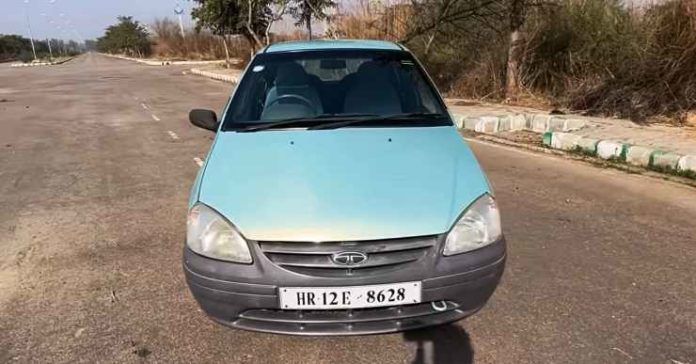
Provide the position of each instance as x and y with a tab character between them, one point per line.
206	119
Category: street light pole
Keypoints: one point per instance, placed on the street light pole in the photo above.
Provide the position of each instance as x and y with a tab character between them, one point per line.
179	11
50	51
31	38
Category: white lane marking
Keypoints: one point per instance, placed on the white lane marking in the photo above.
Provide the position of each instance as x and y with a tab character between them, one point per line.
198	161
144	106
173	135
155	118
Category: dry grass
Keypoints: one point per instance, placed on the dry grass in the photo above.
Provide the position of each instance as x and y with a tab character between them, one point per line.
195	45
660	78
366	20
593	56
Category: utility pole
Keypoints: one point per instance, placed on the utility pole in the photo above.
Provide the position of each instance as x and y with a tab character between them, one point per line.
179	11
50	51
48	41
31	38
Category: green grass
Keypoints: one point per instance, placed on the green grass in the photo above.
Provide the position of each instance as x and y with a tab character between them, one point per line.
620	161
578	150
674	171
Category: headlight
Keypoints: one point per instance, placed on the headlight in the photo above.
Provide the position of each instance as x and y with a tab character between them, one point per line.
209	234
478	227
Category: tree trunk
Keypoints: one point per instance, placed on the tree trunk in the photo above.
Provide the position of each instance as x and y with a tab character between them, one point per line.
427	46
512	75
514	59
267	34
309	20
256	43
227	51
254	39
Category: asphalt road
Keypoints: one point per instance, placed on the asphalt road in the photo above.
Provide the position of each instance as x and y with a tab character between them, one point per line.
96	159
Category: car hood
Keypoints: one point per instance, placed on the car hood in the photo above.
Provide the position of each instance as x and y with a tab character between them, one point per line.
341	185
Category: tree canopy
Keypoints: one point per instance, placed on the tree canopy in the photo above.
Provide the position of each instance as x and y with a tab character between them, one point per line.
253	18
226	17
127	36
303	11
16	47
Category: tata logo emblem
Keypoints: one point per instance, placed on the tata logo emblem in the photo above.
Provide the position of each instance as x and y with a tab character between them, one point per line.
349	258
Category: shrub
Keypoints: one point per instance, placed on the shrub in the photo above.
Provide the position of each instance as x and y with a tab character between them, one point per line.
661	78
596	56
202	45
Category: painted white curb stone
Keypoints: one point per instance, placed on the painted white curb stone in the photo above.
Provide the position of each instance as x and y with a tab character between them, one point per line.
631	154
556	124
608	149
663	159
151	62
573	124
215	76
539	123
470	123
512	122
504	123
565	141
487	124
588	144
458	120
31	64
687	163
639	156
518	122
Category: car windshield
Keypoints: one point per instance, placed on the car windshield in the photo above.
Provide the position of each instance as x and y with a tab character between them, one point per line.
306	88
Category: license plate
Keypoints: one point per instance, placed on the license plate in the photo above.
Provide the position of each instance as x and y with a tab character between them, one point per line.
336	298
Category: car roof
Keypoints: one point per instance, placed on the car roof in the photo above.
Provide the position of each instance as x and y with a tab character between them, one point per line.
328	44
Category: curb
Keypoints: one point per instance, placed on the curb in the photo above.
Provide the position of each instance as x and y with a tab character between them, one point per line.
166	62
483	138
16	65
215	76
637	155
539	123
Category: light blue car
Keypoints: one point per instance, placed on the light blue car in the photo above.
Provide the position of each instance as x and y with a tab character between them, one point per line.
338	198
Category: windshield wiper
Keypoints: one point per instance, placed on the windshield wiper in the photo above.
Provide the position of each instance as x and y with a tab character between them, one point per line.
379	119
319	119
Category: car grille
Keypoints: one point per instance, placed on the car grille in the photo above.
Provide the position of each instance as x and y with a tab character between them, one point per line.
315	258
348	322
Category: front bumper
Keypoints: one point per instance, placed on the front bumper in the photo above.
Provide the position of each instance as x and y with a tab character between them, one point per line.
245	296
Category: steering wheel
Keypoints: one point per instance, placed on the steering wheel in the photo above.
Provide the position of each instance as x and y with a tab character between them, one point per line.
303	100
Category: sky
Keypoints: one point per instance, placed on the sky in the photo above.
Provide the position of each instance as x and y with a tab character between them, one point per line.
81	19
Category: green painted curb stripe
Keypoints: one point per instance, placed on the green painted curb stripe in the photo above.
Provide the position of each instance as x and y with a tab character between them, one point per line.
594	146
546	138
651	162
624	151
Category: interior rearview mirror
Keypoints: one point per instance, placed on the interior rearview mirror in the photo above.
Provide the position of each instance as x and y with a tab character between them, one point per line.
206	119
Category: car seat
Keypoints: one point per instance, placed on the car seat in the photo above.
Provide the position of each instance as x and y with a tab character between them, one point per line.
371	92
292	95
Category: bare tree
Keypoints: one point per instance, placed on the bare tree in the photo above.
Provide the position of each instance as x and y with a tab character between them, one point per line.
517	12
278	9
304	11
